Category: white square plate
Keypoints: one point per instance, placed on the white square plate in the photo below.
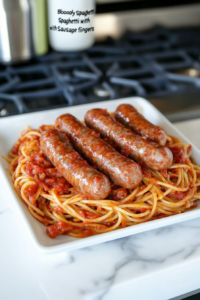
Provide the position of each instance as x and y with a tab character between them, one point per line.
10	128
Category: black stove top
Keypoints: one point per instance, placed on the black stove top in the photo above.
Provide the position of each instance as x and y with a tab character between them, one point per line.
159	64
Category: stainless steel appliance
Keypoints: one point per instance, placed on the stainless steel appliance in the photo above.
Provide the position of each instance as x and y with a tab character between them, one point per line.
157	64
15	30
22	29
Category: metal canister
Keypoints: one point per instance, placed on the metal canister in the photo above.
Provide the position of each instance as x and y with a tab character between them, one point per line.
15	31
23	29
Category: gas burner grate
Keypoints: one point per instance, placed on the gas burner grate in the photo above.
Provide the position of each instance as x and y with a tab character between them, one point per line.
152	64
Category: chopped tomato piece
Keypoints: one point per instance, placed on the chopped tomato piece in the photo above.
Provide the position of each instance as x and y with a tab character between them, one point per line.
180	195
87	214
60	186
82	213
141	188
58	228
58	209
15	148
32	169
31	191
86	233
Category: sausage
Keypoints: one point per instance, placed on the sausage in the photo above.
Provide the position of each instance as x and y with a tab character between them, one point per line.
127	115
73	167
128	143
120	170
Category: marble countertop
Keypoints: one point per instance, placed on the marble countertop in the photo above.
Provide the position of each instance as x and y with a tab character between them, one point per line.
158	264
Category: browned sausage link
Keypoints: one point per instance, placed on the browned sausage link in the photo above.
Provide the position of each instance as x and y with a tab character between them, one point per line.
73	167
131	118
131	145
121	170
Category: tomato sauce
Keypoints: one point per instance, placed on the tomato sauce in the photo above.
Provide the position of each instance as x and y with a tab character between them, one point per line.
87	214
146	173
164	173
58	228
178	155
178	195
31	191
38	164
63	228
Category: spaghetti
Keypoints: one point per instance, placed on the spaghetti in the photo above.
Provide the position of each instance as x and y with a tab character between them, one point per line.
53	202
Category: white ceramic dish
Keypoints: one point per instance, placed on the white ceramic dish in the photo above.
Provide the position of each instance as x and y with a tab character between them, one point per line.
9	132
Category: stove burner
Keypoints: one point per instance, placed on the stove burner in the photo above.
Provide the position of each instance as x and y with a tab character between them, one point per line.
151	64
